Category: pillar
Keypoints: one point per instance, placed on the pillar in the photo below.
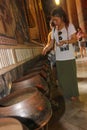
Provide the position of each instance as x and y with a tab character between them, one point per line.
72	12
82	13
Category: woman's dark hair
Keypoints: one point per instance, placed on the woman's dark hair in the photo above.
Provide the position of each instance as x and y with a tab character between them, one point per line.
59	12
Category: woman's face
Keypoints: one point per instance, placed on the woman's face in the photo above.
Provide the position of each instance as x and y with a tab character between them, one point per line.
57	21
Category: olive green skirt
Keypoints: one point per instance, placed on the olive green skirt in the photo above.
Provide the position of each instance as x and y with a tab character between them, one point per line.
67	77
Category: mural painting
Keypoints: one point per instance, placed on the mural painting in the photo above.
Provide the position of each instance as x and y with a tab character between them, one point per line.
7	22
29	14
21	31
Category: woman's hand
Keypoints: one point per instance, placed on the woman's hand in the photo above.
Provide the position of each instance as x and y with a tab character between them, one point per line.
47	48
44	51
60	43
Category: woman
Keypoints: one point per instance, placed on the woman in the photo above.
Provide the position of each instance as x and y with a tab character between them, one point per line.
65	36
81	36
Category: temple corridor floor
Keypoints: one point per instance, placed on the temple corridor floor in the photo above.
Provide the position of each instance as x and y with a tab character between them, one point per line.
75	117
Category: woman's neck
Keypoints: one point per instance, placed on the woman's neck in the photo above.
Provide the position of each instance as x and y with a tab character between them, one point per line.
62	25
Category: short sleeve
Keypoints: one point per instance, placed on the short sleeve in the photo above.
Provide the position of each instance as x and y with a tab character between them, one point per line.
71	29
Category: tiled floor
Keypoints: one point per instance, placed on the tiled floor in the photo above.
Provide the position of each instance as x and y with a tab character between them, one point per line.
75	117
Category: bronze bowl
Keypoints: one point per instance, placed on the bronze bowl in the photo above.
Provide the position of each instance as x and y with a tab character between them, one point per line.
31	80
29	106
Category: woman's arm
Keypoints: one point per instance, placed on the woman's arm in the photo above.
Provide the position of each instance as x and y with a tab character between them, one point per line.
48	47
49	38
70	41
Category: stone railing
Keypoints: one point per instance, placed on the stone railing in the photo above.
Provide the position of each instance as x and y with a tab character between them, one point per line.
13	56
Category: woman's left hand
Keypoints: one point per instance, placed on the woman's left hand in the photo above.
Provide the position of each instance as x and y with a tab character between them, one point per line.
60	43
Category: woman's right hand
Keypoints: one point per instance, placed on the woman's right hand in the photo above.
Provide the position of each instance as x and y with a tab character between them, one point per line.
47	48
44	51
